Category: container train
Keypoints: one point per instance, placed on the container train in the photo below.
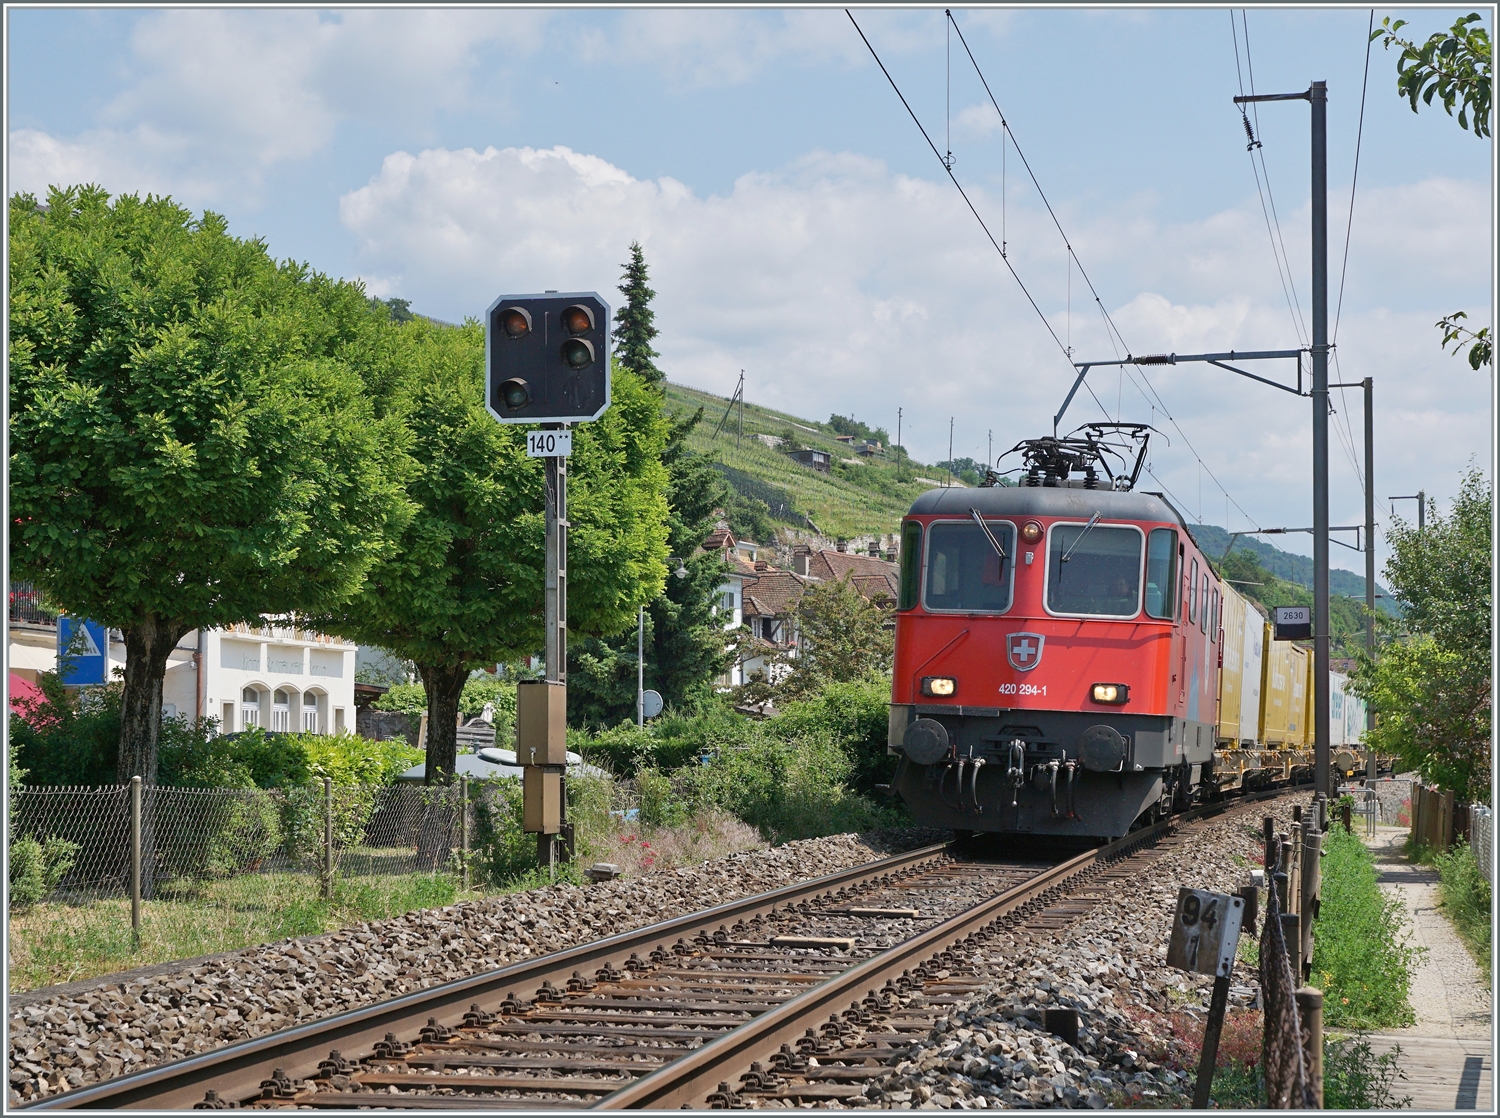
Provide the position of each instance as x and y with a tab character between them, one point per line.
1068	662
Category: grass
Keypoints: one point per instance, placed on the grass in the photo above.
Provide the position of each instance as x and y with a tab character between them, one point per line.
1465	897
62	941
1361	957
867	498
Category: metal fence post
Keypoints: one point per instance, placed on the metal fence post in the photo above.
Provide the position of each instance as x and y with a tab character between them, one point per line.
327	838
135	862
463	833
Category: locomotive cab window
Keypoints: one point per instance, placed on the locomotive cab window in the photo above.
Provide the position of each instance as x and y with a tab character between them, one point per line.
964	571
1102	575
1161	574
911	563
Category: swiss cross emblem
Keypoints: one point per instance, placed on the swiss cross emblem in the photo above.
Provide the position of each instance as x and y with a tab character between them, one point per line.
1024	650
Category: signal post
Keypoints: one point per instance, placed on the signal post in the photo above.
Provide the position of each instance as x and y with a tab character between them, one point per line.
547	363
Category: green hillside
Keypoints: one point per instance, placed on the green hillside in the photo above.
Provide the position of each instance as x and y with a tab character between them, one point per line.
866	497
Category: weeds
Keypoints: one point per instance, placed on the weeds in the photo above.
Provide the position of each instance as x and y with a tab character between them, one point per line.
1354	1078
1466	900
1361	956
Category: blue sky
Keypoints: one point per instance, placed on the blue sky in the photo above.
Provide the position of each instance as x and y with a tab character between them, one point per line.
796	222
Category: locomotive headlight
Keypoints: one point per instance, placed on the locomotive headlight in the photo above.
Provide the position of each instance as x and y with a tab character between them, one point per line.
1115	694
939	685
1031	531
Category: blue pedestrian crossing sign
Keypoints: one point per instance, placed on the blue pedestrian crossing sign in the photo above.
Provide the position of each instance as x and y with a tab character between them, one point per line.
82	652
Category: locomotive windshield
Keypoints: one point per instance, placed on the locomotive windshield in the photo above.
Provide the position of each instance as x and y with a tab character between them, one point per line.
1102	575
964	571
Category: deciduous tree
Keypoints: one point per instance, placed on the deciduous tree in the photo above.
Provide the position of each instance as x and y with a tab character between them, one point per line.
190	442
464	585
1431	684
844	636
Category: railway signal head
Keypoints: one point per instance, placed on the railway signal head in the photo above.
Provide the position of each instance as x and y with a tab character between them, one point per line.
547	358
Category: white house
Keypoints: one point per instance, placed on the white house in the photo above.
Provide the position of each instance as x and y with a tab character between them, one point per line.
275	675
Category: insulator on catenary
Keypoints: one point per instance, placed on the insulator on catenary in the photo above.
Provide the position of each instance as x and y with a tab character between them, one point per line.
1155	359
1249	133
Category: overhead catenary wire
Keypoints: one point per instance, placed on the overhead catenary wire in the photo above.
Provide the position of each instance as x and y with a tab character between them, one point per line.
948	167
1112	330
1359	136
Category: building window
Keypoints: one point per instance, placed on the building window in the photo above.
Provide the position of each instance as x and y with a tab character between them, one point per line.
281	711
726	601
309	714
249	708
226	724
338	720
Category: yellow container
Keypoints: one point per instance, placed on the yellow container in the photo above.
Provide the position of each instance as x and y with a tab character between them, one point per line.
1276	713
1231	675
1300	706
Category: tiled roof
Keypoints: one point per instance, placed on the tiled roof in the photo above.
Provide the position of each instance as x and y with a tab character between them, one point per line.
718	540
775	593
871	576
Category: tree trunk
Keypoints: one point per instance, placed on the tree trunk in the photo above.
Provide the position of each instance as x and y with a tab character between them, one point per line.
444	684
148	644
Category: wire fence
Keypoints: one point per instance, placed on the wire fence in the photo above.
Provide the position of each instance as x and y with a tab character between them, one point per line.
1482	839
188	837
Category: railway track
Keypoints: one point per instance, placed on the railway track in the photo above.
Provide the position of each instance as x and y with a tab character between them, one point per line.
794	996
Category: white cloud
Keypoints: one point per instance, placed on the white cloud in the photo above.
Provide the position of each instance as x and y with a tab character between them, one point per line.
840	286
218	97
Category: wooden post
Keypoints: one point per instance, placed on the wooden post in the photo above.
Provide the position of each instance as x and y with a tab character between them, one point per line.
1310	1011
1291	931
463	833
327	882
1346	812
1211	1031
1311	898
135	863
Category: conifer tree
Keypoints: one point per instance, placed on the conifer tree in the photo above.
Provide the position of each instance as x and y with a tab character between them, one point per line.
635	326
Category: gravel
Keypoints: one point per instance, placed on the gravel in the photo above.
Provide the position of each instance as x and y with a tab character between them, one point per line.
75	1037
1140	1022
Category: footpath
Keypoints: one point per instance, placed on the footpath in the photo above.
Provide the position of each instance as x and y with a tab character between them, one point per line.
1448	1054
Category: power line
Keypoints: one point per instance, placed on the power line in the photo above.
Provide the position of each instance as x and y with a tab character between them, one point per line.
948	167
1073	259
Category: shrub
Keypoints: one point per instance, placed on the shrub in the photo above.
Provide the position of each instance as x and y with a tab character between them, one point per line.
36	867
411	698
1354	1078
219	836
1361	957
1465	895
854	715
500	850
75	738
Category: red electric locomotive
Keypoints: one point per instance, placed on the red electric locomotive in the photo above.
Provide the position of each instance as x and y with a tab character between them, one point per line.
1057	647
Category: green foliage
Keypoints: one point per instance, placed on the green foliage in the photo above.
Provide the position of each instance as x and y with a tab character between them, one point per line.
1432	685
668	742
500	851
1355	1078
1361	958
464	587
855	715
635	321
1454	66
966	470
1266	591
1466	895
408	698
191	442
848	425
1482	348
844	637
788	789
36	867
852	500
684	640
755	504
220	837
75	739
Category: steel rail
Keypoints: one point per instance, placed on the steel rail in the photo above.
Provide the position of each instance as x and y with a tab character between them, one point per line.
687	1081
237	1070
